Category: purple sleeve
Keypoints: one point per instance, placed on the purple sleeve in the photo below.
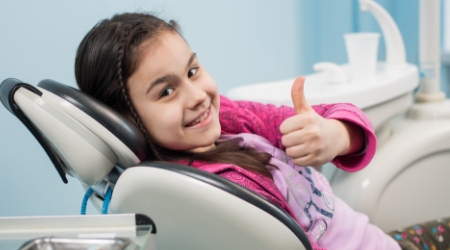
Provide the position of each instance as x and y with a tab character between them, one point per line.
265	120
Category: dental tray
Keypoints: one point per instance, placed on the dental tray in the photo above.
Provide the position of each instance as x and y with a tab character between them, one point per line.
77	244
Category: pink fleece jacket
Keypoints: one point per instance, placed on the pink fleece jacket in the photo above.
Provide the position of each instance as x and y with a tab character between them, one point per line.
301	191
265	119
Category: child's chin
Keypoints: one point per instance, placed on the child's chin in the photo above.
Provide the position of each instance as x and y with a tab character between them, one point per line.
202	149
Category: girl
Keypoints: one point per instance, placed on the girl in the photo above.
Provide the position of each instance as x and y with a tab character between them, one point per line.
141	66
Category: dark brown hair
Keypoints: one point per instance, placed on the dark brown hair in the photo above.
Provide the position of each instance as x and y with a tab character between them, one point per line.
109	54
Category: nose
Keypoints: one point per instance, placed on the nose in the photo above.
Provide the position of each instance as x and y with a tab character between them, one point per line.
196	96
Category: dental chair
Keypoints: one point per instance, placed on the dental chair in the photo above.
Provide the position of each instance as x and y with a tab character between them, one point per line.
191	209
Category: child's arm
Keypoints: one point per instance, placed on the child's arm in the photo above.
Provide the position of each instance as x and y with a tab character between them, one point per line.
265	120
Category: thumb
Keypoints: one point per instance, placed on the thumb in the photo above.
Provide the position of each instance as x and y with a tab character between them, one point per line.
298	96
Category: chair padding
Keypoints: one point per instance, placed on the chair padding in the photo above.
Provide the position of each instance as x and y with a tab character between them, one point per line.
178	198
118	125
7	89
121	128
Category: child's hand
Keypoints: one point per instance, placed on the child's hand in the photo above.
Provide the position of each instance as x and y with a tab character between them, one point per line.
310	139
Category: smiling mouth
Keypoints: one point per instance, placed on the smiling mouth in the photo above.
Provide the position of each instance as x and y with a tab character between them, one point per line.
200	119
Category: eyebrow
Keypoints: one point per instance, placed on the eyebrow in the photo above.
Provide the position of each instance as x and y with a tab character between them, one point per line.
169	77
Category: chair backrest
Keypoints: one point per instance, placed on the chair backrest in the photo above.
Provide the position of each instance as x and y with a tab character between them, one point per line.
192	209
82	137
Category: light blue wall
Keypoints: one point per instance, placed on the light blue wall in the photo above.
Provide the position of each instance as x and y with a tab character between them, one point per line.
238	41
324	22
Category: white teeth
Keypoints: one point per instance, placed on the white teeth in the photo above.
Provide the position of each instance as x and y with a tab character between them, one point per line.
201	118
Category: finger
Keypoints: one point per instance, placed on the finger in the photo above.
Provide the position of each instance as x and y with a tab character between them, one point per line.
297	122
303	161
297	137
298	96
291	124
297	151
308	160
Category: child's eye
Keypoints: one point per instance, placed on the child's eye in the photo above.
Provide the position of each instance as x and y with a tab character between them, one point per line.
192	72
166	92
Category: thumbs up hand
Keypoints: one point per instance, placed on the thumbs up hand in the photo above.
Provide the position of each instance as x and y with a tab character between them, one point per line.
310	139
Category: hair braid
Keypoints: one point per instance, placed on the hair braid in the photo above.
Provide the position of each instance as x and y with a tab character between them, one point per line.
124	89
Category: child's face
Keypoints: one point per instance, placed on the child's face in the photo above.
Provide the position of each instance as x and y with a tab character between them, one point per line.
177	100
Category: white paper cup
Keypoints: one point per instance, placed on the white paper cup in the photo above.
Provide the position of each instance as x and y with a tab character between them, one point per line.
362	52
